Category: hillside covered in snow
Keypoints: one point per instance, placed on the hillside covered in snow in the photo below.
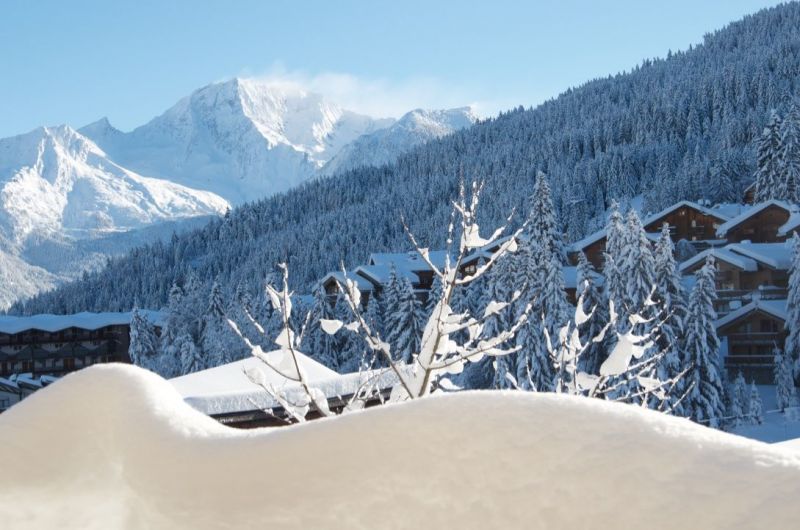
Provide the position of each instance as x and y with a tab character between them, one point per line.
131	454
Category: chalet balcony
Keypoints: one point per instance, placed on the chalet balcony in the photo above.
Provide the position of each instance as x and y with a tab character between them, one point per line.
750	361
753	338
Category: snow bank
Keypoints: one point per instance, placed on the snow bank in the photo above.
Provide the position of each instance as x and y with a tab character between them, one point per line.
115	447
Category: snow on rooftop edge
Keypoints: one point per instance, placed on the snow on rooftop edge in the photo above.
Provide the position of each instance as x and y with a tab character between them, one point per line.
91	321
130	453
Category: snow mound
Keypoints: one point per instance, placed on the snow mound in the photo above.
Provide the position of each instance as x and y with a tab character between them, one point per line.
115	447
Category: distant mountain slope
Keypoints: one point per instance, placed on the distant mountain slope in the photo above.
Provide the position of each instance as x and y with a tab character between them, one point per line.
667	130
58	186
386	145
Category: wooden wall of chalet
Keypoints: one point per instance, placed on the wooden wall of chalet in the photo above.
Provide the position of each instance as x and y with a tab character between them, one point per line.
751	340
761	227
687	223
60	352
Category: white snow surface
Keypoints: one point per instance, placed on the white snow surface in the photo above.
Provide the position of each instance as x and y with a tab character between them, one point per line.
85	320
114	446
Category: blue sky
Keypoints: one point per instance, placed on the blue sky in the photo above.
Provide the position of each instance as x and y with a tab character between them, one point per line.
76	61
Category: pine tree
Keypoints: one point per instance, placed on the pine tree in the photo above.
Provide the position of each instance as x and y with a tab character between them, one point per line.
739	402
593	301
321	345
756	411
671	303
143	347
616	283
218	342
704	402
406	323
539	269
500	289
790	155
637	266
769	181
191	358
792	345
175	326
785	391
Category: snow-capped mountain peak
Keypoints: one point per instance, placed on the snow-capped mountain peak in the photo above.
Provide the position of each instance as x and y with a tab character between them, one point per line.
54	179
242	138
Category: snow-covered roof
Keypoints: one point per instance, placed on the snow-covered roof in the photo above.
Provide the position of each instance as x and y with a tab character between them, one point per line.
750	212
776	308
731	209
231	378
650	219
361	282
90	321
746	256
775	255
227	389
722	254
791	225
408	260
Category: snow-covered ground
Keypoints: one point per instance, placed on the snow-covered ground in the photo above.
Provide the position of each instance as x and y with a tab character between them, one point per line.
777	426
115	447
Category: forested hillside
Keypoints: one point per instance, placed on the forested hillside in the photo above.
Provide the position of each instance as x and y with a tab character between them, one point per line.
683	127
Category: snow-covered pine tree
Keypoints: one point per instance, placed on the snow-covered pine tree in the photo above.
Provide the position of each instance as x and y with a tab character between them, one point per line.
175	325
594	301
769	181
785	392
191	358
539	270
738	402
792	345
637	267
433	296
499	280
671	304
322	346
405	323
616	283
215	333
143	347
755	413
790	155
704	402
374	319
349	346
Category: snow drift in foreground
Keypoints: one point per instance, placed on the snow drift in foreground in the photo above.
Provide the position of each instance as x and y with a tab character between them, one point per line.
114	447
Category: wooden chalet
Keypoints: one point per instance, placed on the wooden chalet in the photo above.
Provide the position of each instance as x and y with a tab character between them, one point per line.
749	336
766	222
744	269
687	220
58	344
